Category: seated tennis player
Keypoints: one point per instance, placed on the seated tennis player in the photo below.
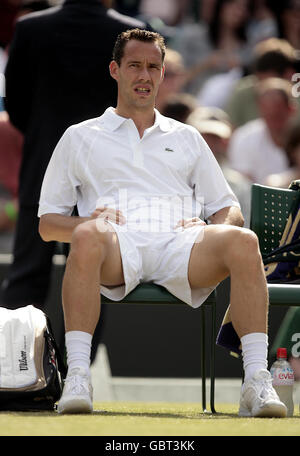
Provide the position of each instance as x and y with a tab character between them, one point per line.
153	207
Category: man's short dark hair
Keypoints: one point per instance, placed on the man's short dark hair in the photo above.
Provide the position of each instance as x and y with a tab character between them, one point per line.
273	61
140	35
273	55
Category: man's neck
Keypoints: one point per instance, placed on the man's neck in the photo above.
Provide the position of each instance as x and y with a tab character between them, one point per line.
142	119
277	137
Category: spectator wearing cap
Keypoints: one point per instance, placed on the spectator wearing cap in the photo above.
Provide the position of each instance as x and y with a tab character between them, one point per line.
179	106
215	127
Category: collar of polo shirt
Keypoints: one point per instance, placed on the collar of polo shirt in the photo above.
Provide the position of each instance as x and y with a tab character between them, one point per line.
113	121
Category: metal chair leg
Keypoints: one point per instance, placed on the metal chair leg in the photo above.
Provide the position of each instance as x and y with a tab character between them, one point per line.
212	357
203	360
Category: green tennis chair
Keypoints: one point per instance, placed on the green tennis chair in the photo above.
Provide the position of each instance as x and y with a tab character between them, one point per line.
148	293
270	208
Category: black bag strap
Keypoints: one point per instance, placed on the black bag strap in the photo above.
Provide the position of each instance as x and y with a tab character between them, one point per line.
287	252
60	362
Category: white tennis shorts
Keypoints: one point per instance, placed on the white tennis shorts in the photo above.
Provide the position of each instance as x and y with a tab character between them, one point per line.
161	258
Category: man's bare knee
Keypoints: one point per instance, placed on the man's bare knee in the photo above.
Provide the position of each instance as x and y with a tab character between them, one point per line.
87	242
243	248
248	241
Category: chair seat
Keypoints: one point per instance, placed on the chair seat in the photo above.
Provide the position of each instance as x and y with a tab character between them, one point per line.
152	293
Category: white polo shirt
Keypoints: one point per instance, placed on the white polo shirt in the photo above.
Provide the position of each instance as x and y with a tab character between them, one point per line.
104	161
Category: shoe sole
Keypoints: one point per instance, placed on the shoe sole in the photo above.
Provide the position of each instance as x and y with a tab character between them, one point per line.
72	406
274	410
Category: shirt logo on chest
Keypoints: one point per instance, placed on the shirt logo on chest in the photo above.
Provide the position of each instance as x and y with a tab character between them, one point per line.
167	149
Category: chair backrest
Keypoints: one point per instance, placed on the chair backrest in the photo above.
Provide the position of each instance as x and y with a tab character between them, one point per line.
270	208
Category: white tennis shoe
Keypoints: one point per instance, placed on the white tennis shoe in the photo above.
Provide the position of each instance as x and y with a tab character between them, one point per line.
77	396
259	399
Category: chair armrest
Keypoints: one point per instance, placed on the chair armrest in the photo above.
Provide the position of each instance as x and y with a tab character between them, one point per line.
284	294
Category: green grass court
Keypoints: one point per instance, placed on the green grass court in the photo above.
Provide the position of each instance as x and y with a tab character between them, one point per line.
147	419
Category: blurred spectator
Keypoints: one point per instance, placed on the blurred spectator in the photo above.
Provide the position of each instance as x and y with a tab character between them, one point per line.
217	89
158	16
174	78
256	148
214	126
206	10
10	155
263	23
217	46
169	11
179	106
292	149
30	6
128	7
288	22
272	57
8	13
3	60
11	141
56	75
10	10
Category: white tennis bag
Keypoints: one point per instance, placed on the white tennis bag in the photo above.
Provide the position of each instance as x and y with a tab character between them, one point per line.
31	369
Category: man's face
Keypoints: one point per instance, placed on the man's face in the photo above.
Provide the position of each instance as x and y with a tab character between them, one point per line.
275	111
139	74
217	145
173	80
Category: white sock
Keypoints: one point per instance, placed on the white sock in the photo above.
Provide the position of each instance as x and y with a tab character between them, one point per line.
78	345
255	353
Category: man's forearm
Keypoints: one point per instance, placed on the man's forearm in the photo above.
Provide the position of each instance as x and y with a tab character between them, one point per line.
228	216
57	227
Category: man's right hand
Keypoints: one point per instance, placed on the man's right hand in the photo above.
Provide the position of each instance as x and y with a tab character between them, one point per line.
109	214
